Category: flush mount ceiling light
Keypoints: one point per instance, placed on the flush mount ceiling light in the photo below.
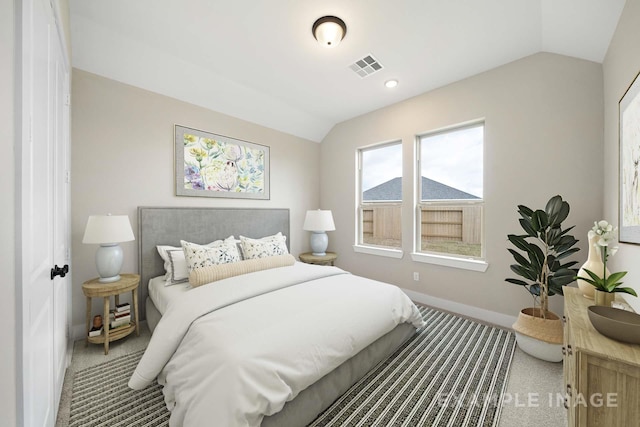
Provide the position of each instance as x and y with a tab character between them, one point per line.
391	83
329	30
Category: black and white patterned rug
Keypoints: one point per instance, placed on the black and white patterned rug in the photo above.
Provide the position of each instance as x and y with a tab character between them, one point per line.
101	397
452	373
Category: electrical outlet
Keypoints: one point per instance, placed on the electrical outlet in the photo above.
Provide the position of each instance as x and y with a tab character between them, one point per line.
416	276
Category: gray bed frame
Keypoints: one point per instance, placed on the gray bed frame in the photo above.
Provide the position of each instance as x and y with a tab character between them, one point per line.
169	225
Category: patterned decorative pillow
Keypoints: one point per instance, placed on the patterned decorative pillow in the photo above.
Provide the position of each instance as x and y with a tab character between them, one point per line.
265	247
175	264
198	256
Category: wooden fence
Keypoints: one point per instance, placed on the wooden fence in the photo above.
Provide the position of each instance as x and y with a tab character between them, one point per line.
455	223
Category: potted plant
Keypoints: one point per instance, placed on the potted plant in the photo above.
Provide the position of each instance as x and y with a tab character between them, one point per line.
540	262
608	284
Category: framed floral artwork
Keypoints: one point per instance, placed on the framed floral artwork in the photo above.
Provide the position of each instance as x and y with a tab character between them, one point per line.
210	165
629	183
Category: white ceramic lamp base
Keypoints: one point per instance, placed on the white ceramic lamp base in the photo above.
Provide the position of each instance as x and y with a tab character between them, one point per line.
109	262
319	243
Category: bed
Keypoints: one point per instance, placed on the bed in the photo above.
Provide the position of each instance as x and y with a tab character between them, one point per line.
289	377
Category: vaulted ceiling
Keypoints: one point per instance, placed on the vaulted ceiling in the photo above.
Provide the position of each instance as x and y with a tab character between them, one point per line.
257	59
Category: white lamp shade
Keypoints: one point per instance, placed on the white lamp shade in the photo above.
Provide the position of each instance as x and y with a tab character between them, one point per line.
108	229
319	220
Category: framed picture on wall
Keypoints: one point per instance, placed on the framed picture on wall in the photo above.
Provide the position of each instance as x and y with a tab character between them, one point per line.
211	165
629	196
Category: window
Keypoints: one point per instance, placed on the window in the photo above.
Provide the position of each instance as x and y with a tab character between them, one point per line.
450	188
380	196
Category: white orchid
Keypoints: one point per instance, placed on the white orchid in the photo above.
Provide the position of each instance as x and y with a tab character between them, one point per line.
612	282
607	234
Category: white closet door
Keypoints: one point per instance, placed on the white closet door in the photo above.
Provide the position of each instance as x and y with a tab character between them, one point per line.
42	221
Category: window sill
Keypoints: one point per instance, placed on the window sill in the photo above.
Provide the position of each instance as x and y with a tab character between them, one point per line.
372	250
450	261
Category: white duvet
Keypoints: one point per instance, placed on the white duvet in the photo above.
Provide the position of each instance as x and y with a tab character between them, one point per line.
231	352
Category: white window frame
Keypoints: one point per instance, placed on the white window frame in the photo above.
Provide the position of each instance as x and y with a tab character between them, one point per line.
360	246
439	258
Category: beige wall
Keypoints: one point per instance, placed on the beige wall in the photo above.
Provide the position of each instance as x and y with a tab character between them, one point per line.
123	157
620	66
543	136
8	302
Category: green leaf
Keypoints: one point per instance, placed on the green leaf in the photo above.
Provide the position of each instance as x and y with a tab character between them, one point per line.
528	227
559	281
568	264
524	211
519	242
539	221
593	275
565	272
556	291
629	291
590	281
517	282
553	263
566	253
558	211
520	259
595	280
563	213
537	258
611	286
524	272
615	277
567	230
553	236
567	241
552	208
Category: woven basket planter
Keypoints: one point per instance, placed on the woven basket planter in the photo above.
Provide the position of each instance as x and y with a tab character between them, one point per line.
541	338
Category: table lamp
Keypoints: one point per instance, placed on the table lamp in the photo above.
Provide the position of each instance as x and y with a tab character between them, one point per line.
318	222
108	231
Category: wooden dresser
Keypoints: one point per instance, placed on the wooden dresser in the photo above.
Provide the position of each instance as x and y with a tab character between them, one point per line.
602	376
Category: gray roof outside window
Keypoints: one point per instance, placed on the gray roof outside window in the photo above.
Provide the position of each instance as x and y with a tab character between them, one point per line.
431	190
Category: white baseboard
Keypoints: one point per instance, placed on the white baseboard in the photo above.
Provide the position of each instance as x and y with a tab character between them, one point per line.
489	316
78	331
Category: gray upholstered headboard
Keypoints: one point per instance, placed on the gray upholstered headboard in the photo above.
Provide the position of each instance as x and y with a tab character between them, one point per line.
169	225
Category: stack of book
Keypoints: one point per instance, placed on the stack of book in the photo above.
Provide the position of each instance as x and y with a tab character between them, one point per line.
120	317
95	331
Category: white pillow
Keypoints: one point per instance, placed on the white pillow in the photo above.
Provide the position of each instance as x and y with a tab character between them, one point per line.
179	272
169	275
199	256
264	247
175	264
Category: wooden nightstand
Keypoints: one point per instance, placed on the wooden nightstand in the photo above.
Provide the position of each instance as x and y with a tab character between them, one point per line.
327	259
93	289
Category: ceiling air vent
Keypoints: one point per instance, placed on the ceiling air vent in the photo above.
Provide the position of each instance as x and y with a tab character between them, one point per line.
366	66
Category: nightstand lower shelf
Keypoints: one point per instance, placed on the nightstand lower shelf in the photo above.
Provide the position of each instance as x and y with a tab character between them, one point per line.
114	335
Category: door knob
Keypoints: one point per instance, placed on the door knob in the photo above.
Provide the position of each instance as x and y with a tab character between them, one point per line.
59	271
